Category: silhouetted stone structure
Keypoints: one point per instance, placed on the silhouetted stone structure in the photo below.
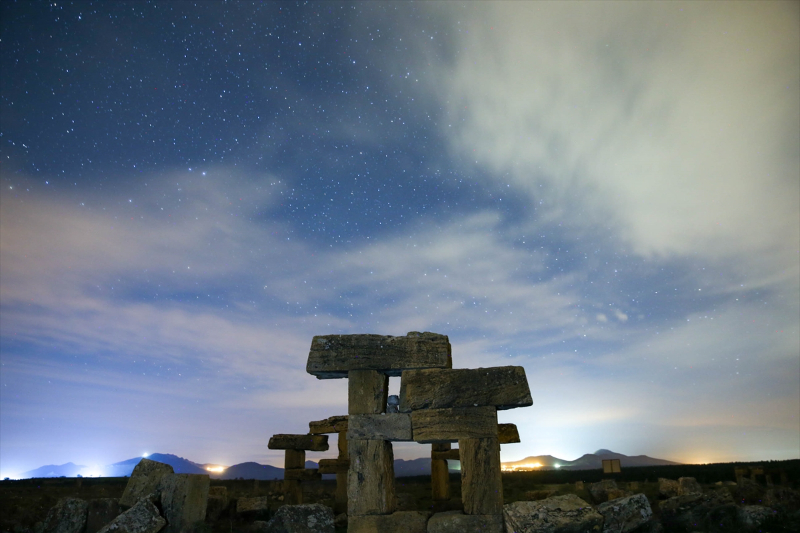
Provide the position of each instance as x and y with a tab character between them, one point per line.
438	405
294	468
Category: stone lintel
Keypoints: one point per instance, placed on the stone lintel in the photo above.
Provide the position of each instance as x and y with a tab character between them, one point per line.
449	455
451	425
333	356
503	387
321	427
507	433
314	443
392	427
333	466
302	474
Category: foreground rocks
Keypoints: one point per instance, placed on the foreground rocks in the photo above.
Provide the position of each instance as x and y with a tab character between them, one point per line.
559	514
67	516
307	518
625	514
141	518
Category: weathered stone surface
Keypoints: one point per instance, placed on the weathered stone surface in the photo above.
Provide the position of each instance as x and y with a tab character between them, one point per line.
688	485
393	427
141	518
440	480
302	474
294	459
399	522
367	391
144	479
458	522
370	480
667	488
507	433
314	443
333	466
183	500
752	516
600	490
68	515
333	356
342	444
217	502
250	505
450	425
308	518
481	481
502	387
101	512
449	455
559	514
292	492
688	511
625	514
328	425
536	495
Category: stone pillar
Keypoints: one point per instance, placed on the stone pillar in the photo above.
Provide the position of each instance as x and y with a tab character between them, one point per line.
341	477
440	476
292	490
370	480
367	391
481	481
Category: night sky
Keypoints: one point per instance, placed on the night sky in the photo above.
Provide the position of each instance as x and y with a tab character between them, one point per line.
607	194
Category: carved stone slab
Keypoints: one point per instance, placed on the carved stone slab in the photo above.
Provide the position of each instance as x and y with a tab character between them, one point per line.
450	425
320	427
504	387
507	433
315	443
393	427
332	356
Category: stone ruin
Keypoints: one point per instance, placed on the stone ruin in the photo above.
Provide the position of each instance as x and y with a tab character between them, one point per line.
438	405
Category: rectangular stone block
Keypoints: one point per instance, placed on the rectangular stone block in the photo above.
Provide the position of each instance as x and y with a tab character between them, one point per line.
342	444
370	480
449	455
451	425
333	356
503	387
399	522
333	466
507	433
144	479
393	427
481	481
458	522
340	499
320	427
440	480
367	391
183	500
303	474
314	443
294	459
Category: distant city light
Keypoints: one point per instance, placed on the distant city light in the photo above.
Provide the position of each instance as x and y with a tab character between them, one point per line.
145	454
557	466
215	468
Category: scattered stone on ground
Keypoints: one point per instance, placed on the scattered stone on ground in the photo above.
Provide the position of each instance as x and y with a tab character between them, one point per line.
183	500
141	518
306	518
144	479
688	485
599	491
458	522
667	488
623	515
691	510
562	514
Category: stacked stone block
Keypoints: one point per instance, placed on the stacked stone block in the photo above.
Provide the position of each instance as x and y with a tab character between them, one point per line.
295	471
438	405
340	465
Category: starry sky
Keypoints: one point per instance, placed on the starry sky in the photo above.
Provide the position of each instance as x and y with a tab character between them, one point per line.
607	194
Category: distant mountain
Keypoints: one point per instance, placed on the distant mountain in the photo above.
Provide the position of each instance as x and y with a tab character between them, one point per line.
249	471
66	470
589	461
178	464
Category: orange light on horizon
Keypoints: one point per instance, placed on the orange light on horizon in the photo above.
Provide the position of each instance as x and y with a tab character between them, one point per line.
216	469
525	466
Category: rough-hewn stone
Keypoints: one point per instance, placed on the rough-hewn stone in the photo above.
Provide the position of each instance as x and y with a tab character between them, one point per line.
503	387
141	518
217	502
559	514
144	479
450	425
247	505
458	522
625	514
507	433
398	522
294	459
308	518
440	480
393	427
367	391
600	490
333	356
688	485
302	474
481	481
667	488
101	512
333	466
183	500
314	443
328	425
370	480
68	515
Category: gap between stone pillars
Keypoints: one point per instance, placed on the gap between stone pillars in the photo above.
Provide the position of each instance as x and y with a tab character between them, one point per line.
481	479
